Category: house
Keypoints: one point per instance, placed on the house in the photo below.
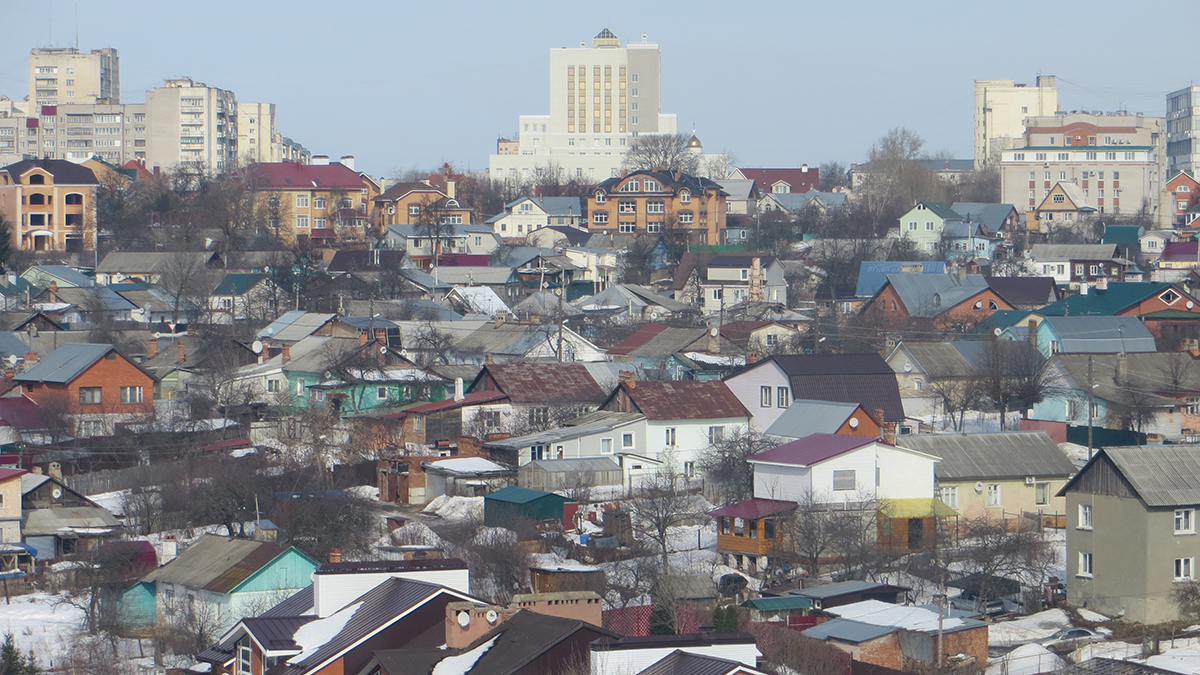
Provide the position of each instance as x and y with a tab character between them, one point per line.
418	203
759	336
1180	189
927	370
553	475
998	475
529	214
742	199
1074	264
94	385
968	240
1131	526
480	300
803	418
733	278
51	204
1179	255
1027	293
652	202
814	202
923	224
508	506
679	662
61	275
894	637
536	393
226	579
1085	335
633	301
242	296
417	241
57	521
512	342
1128	239
682	417
725	653
326	201
355	388
828	596
1066	204
1152	244
781	181
558	237
872	274
150	267
754	533
864	379
678	352
948	301
1143	299
590	437
997	218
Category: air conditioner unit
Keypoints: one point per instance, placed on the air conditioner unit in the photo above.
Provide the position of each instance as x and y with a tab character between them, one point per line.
1029	480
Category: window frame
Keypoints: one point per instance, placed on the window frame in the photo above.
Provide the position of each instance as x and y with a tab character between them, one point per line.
765	397
1087	565
995	499
1086	515
1185	521
86	395
839	478
1185	569
127	398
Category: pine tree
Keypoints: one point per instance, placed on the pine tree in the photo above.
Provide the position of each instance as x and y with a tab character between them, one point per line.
12	662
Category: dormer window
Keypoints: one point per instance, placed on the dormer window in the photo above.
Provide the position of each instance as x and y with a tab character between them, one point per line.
651	186
685	196
599	197
631	186
37	179
1183	188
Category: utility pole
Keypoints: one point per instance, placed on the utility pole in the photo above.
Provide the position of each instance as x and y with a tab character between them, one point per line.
1091	387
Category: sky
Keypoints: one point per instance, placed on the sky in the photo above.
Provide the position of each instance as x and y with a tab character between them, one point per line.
403	85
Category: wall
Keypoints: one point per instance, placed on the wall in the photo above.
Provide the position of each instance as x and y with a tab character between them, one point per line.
903	475
745	386
10	510
787	483
1015	497
1120	545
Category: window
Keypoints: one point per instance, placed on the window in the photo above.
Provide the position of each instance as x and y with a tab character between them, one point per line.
1085	517
600	216
655	206
89	428
627	441
649	185
302	201
689	470
1085	564
89	395
538	416
685	197
631	186
929	226
1041	494
1169	297
626	228
716	435
319	203
783	396
1185	521
653	227
843	479
131	394
716	294
606	446
73	199
381	393
302	222
627	207
1185	569
949	495
685	217
670	437
243	660
272	385
537	452
993	495
599	197
491	419
764	397
1059	199
1079	270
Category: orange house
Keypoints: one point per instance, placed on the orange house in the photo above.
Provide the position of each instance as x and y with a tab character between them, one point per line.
92	385
51	204
653	202
751	532
949	302
419	203
1182	189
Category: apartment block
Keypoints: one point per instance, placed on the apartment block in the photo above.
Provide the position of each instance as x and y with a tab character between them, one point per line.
192	124
1183	130
1001	107
64	76
257	140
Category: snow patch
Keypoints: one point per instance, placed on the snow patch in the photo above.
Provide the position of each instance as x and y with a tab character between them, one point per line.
363	491
1026	660
467	465
1027	629
456	508
1094	617
314	635
461	664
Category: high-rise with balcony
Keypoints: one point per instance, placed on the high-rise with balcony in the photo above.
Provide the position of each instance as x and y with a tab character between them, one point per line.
191	123
62	76
1183	130
1001	107
601	97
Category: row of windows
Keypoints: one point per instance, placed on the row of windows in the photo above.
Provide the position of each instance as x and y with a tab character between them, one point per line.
684	196
1184	569
1065	156
783	396
93	395
38	199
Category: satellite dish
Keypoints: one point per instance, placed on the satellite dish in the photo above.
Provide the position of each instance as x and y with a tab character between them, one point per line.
1190	304
257	347
979	487
56	492
907	367
853	422
492	616
383	350
713	331
463	619
997	332
12	358
329	374
404	353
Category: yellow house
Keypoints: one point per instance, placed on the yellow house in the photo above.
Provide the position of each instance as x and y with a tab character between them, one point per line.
51	204
10	506
1012	475
322	203
419	203
1065	203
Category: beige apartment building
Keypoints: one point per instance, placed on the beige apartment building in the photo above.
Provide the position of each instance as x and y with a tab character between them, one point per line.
257	140
1117	161
65	76
193	124
1001	107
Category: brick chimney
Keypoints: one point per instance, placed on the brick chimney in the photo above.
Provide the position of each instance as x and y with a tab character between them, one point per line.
287	352
889	433
152	348
362	337
335	555
53	291
879	417
9	373
180	352
752	357
628	378
487	358
31	359
468	447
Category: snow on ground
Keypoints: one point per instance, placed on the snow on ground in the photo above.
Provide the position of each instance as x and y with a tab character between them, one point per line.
364	491
1094	617
456	508
113	501
1075	452
37	623
1027	629
1026	660
974	422
412	534
1184	660
1108	650
751	582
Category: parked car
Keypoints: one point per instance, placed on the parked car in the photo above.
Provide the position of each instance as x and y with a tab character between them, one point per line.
1068	639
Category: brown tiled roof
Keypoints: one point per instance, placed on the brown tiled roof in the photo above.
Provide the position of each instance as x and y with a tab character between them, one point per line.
543	382
685	400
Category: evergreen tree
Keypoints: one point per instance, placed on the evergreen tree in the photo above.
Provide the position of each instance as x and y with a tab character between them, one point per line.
725	619
12	662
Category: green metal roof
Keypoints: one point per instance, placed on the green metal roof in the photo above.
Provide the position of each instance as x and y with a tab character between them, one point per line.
237	283
1122	234
941	210
1118	296
520	495
779	604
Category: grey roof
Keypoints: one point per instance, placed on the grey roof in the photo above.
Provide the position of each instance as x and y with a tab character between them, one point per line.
572	465
937	359
872	274
1073	251
421	231
83	298
630	295
1009	454
30	481
1148	372
67	274
991	215
927	295
482	276
847	630
209	558
547	303
65	363
424	279
805	417
839	588
1162	475
294	326
610	422
1103	666
737	189
1101	334
50	521
794	201
680	662
146	262
509	339
559	206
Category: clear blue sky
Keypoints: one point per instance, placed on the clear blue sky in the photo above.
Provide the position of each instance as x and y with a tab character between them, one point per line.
403	84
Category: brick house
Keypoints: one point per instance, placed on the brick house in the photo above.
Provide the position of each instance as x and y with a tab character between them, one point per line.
51	204
651	202
946	301
93	386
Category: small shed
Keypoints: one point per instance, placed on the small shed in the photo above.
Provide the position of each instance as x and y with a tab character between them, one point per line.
552	475
465	477
569	576
850	592
508	505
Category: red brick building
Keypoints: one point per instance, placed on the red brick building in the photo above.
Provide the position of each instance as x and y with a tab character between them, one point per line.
91	385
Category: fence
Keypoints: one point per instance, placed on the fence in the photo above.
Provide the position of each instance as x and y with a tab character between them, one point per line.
110	480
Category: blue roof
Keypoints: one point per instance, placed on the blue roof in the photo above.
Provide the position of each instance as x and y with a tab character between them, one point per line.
65	363
873	274
520	495
848	631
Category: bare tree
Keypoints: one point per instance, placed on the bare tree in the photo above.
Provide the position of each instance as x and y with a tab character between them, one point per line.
664	504
833	176
991	548
725	467
822	527
957	396
188	282
651	152
1011	373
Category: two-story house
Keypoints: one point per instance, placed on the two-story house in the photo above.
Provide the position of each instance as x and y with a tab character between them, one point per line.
1181	190
51	204
529	214
419	204
947	301
1073	264
688	208
923	224
1131	531
417	241
92	386
326	202
734	278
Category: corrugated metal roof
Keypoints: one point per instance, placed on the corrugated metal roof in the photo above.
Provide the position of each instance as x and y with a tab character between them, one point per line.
812	450
784	602
42	522
216	563
299	603
276	633
753	508
680	662
1101	334
865	379
844	588
1073	251
805	418
560	383
519	495
846	630
1010	454
872	274
928	295
65	363
1103	666
572	465
1162	475
686	400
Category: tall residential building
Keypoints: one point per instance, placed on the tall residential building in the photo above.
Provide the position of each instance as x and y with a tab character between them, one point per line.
191	123
601	97
257	140
63	76
1001	107
1183	130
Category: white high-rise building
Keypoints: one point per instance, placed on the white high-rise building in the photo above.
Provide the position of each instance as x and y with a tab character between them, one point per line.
601	97
191	123
63	76
1183	130
1001	107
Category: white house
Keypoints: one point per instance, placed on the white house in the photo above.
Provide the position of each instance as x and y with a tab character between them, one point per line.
415	240
735	278
530	214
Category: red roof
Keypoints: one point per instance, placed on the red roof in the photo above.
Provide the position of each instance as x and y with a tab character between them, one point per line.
469	399
798	179
741	330
753	509
285	175
22	413
1181	251
5	474
812	449
640	337
322	233
559	383
686	400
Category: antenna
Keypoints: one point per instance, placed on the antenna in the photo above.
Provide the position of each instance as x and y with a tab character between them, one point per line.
77	25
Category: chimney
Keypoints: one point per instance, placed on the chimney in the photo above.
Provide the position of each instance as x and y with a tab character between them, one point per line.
180	352
458	389
500	318
1083	287
535	318
628	378
9	373
879	417
1155	275
1102	283
1122	366
889	433
31	359
450	189
170	548
152	348
320	160
287	352
752	357
362	337
53	291
335	555
347	161
487	359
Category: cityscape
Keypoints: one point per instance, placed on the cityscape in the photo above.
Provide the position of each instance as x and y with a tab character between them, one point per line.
626	399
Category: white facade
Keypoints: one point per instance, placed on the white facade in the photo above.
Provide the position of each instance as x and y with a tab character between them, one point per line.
1001	107
1114	179
880	471
1183	130
66	76
747	387
257	140
191	123
601	97
332	592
